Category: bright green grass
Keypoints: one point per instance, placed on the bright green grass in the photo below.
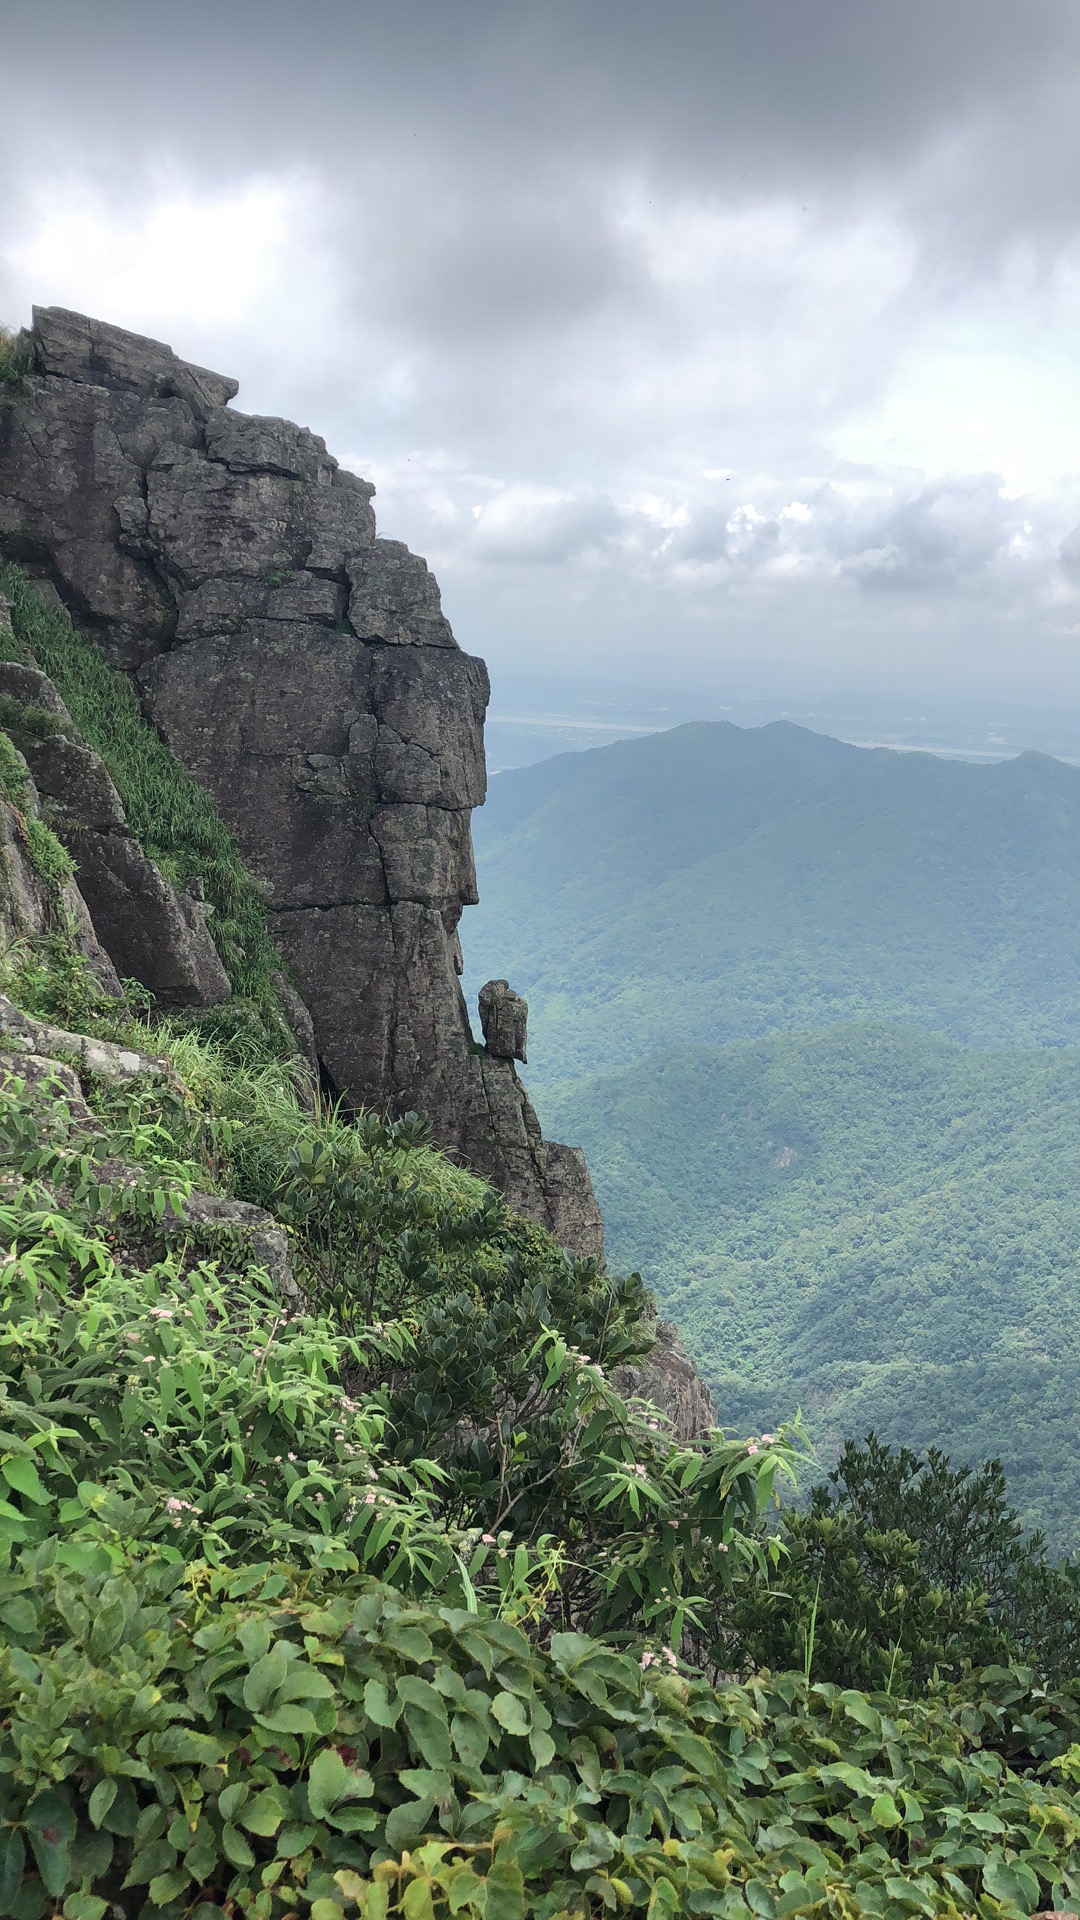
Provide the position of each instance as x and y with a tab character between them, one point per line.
172	818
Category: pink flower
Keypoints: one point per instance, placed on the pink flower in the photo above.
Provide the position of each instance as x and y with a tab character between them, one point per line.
722	1546
173	1506
369	1499
290	1456
318	1499
488	1539
161	1313
751	1448
640	1471
767	1439
648	1660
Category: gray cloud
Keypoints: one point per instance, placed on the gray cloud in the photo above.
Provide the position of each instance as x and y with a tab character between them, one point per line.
550	273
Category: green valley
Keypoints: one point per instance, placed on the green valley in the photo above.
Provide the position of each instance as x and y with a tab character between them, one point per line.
714	883
870	1222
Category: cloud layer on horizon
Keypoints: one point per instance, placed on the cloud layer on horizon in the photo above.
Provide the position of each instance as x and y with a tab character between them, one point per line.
736	331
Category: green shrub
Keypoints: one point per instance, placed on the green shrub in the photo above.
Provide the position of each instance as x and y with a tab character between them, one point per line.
180	1741
904	1567
16	357
174	821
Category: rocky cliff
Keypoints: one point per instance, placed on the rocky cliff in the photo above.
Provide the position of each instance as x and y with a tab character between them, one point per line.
304	671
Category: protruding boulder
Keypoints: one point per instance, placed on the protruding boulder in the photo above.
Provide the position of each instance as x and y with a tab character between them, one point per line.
504	1017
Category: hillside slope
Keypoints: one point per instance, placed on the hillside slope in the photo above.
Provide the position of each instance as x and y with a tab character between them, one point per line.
714	883
869	1222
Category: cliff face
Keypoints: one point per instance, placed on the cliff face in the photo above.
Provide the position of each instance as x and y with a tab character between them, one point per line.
303	670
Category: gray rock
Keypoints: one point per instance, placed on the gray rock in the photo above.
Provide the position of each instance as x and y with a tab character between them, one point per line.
74	779
28	908
305	673
504	1018
151	931
668	1379
73	347
20	1033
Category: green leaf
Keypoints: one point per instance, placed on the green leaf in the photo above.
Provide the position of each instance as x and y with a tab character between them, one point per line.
885	1812
84	1906
1011	1881
101	1800
22	1474
305	1683
288	1719
169	1886
12	1862
509	1712
294	1840
405	1824
235	1847
327	1781
264	1815
378	1705
504	1891
325	1910
264	1680
19	1614
470	1737
416	1901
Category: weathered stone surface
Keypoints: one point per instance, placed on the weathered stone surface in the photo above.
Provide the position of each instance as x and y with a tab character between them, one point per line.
74	779
306	674
504	1018
74	347
669	1380
151	931
20	1033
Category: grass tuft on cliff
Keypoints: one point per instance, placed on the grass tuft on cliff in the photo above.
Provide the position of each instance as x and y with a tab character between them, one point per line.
175	822
16	357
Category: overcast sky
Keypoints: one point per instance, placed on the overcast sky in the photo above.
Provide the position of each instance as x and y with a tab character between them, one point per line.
702	342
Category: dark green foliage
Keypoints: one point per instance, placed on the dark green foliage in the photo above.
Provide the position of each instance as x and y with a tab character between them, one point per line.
250	1744
15	717
905	1567
172	818
869	1223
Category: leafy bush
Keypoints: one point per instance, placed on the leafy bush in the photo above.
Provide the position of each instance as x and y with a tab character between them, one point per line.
198	1740
904	1567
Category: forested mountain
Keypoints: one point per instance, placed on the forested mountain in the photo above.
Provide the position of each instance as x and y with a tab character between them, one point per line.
712	883
865	1219
870	1222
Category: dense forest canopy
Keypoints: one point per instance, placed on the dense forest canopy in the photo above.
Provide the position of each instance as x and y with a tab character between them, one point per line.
714	883
869	1222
